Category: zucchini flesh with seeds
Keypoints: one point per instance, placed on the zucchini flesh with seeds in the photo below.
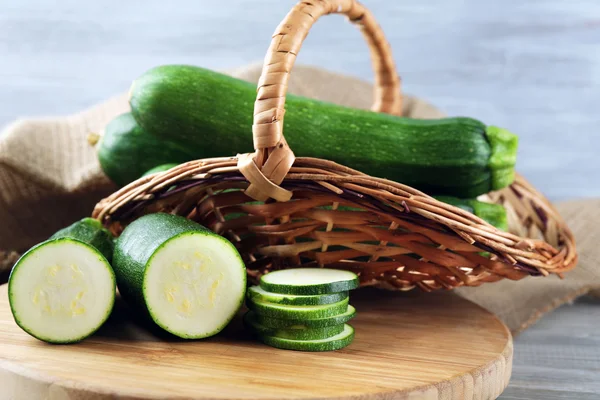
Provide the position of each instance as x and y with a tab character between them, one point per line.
306	323
336	342
259	294
211	113
309	281
126	152
250	320
62	290
189	280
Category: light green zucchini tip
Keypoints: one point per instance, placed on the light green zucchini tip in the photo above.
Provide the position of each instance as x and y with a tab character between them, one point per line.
502	161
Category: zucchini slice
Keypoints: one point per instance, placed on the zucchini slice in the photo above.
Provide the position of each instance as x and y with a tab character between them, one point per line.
270	322
298	312
336	342
189	280
309	281
494	214
62	290
259	294
183	113
250	320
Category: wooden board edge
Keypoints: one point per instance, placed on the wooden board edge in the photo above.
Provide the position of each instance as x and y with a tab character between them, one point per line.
486	382
13	378
482	383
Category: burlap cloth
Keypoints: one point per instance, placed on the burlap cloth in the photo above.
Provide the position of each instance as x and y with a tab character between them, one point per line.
49	177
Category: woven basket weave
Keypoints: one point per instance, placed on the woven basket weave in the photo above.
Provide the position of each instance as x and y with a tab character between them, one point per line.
284	212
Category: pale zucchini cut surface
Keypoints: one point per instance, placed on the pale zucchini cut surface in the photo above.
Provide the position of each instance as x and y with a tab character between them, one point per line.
306	323
336	342
298	312
259	294
251	322
194	285
309	281
61	291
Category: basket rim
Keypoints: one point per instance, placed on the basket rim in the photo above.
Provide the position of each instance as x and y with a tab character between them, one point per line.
336	179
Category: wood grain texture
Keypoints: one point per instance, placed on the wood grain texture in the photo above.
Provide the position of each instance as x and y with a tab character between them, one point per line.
407	346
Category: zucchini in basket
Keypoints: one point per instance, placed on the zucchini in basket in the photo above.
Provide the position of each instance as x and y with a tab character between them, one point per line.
160	168
186	112
494	214
126	152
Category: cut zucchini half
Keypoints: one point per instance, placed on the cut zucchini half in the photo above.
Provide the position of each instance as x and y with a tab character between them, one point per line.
189	280
61	291
306	323
259	294
336	342
250	320
309	281
298	312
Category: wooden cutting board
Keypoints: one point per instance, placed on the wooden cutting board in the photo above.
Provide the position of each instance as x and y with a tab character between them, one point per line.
408	345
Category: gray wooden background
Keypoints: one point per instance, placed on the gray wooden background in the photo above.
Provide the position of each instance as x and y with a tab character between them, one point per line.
530	66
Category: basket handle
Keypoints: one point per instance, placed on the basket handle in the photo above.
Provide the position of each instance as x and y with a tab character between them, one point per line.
268	166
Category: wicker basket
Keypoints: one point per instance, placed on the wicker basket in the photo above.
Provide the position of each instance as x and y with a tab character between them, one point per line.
284	212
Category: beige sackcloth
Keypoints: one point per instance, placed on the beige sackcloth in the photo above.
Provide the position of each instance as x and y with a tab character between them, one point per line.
50	177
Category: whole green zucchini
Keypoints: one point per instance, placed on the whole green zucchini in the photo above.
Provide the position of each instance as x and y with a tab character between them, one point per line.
160	168
494	214
125	151
210	114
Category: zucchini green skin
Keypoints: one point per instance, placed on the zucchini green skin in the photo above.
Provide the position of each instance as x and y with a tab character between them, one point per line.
212	114
270	322
295	300
160	168
293	334
126	152
494	214
337	342
90	231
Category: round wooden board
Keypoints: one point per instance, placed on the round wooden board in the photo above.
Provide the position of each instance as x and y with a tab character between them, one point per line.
407	345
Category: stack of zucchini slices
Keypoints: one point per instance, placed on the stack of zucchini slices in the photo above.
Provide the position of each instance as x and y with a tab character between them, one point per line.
303	309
